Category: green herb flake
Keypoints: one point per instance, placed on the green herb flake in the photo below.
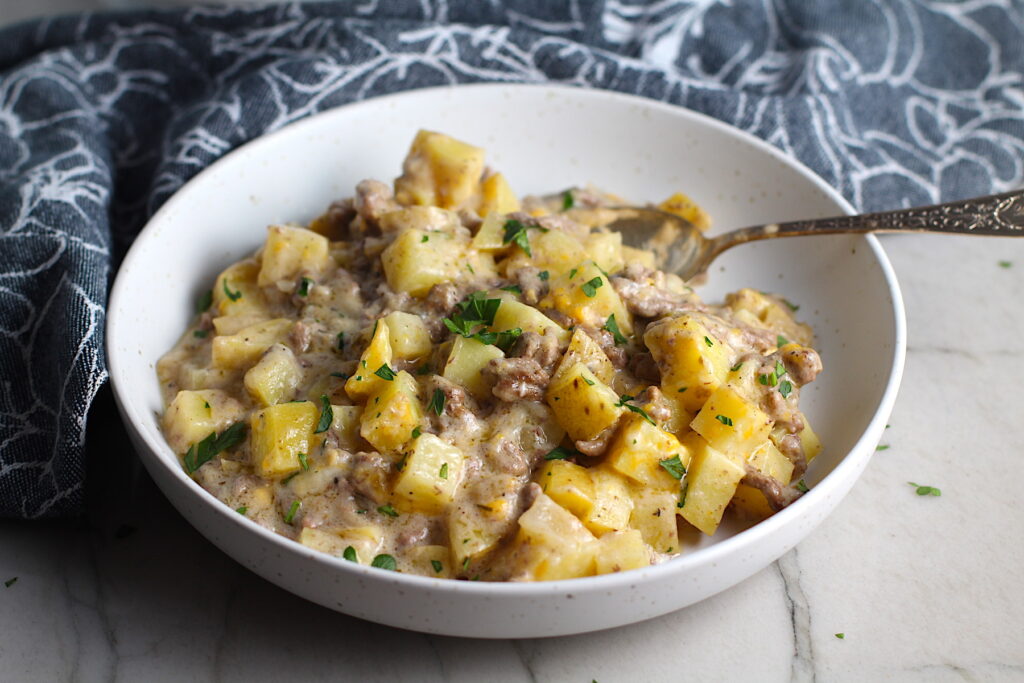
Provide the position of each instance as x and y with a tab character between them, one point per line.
304	286
682	494
326	415
233	295
559	453
673	466
201	453
1005	264
291	512
591	286
304	462
736	368
769	380
416	432
423	369
781	341
785	388
204	301
437	402
572	273
613	327
925	490
242	510
436	564
707	340
589	381
515	289
682	390
568	201
840	636
384	562
469	267
443	472
387	510
780	369
425	238
515	233
801	486
465	564
385	373
200	334
724	419
624	401
543	275
10	582
340	343
792	306
350	554
882	447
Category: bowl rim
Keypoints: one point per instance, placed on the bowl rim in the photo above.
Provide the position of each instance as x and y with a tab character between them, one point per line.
857	456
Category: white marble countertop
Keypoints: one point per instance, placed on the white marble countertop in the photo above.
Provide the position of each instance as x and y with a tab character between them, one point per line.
923	588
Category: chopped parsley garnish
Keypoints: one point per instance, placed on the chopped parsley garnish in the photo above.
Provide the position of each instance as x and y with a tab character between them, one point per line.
611	326
437	402
436	564
785	388
572	273
385	373
503	340
423	369
339	375
515	233
673	466
925	490
384	562
291	512
204	301
624	401
1005	264
544	275
234	296
201	334
465	564
589	381
792	306
781	341
476	310
515	289
840	636
425	238
801	486
724	419
707	340
568	201
400	465
340	341
881	448
780	369
443	472
304	461
416	432
682	494
10	582
559	453
591	286
736	367
304	286
469	267
350	554
201	453
242	510
387	510
682	390
769	380
326	415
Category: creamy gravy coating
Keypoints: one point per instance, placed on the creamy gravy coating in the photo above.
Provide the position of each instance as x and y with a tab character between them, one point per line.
437	378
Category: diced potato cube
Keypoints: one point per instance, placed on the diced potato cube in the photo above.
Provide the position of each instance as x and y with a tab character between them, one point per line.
810	441
555	251
732	425
618	551
553	544
430	560
279	434
392	411
242	349
430	476
417	260
236	294
605	248
275	377
291	250
583	349
191	376
613	503
439	171
769	312
641	256
638	450
346	426
710	483
232	324
377	354
654	516
466	362
569	485
684	207
408	335
194	415
480	264
585	295
584	405
470	535
693	362
365	541
497	196
768	460
429	219
513	314
490	236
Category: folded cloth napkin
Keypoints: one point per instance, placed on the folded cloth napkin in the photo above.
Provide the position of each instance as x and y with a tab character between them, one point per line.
103	117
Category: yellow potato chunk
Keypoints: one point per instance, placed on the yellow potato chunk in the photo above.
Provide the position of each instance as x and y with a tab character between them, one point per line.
439	171
245	347
684	207
419	259
613	504
693	362
710	483
429	219
491	235
554	251
605	248
275	377
377	353
194	415
618	551
289	251
497	196
233	324
654	516
639	449
585	295
466	362
761	310
430	560
768	460
345	426
365	541
430	475
810	441
236	294
512	314
392	411
552	544
732	425
569	485
641	256
584	405
408	335
279	434
583	349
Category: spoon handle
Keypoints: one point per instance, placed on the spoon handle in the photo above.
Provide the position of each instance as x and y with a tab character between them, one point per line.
998	214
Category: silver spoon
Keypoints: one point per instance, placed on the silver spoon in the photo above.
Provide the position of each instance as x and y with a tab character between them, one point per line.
684	250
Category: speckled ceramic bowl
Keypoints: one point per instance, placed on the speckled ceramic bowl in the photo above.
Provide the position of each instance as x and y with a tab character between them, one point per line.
542	138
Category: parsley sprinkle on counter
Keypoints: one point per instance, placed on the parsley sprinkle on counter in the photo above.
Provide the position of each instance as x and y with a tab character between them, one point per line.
10	582
882	447
925	490
384	562
1005	264
840	636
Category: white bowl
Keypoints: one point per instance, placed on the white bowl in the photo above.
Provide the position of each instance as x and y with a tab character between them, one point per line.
543	138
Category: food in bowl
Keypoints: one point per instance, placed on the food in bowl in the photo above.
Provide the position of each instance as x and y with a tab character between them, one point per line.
444	380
